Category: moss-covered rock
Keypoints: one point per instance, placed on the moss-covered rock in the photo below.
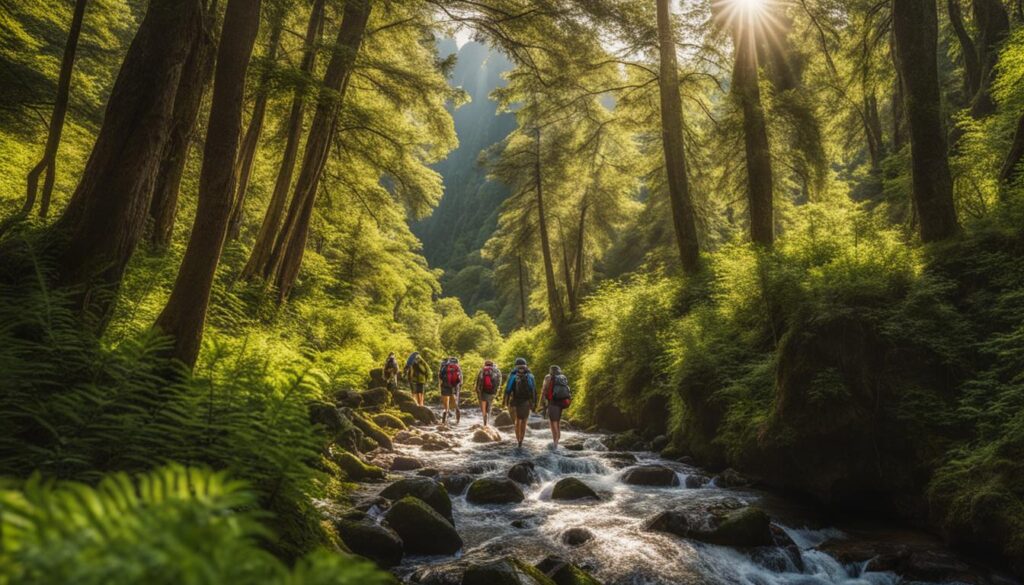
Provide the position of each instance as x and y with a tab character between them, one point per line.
571	488
356	470
370	429
493	490
562	572
423	530
524	472
403	463
506	571
422	414
744	527
504	420
433	493
456	483
389	421
376	397
371	540
651	475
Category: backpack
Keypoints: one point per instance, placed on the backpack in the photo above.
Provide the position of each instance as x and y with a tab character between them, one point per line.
560	389
453	375
391	364
521	390
420	367
488	381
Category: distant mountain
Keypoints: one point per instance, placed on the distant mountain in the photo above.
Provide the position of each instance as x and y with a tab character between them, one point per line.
468	213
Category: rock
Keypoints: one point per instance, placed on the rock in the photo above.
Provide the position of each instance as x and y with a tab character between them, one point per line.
403	463
609	417
367	445
422	530
562	572
428	472
627	441
370	429
422	414
570	488
909	556
524	472
490	490
658	443
653	475
426	489
399	397
573	445
367	504
356	470
376	397
730	478
671	452
687	460
620	459
506	571
696	480
577	536
388	421
456	483
371	540
408	438
326	415
377	378
348	397
504	420
486	435
744	527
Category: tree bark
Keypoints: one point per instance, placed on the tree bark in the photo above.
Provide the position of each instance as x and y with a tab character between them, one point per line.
683	216
188	99
184	316
555	309
972	70
60	108
580	243
570	290
95	237
522	293
259	258
755	137
899	117
247	155
286	259
915	26
873	131
993	25
1016	152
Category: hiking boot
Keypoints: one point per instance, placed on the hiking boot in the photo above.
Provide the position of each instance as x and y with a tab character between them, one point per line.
458	416
444	417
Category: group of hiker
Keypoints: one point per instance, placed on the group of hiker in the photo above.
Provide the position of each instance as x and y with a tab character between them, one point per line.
519	393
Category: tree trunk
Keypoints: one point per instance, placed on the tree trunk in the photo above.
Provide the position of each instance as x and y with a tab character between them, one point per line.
93	240
899	117
286	257
522	293
247	155
60	108
873	131
570	290
1015	153
188	99
915	26
580	243
555	310
185	314
755	137
259	258
993	25
683	216
972	70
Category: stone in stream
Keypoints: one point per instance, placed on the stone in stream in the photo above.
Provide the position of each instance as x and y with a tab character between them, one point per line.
367	504
570	488
620	459
493	490
403	463
503	420
389	421
627	441
745	527
371	540
562	572
696	480
456	483
524	472
912	556
356	470
507	571
423	414
424	488
577	536
730	478
422	530
488	434
370	429
651	475
610	418
428	472
658	443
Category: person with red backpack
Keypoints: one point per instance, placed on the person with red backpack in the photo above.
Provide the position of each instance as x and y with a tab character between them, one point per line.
450	376
557	398
487	383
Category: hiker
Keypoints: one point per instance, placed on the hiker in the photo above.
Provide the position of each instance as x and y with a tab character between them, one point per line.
557	397
521	393
391	372
487	383
450	376
417	372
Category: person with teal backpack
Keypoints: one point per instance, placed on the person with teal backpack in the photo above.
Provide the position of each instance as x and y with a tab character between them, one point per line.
417	372
557	397
521	393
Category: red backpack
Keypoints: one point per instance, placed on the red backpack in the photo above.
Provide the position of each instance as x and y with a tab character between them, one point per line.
454	373
489	379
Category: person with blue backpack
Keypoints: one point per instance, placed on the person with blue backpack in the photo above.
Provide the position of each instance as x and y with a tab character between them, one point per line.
450	376
417	372
521	394
557	398
487	383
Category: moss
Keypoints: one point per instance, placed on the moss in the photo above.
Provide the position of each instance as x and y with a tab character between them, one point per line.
390	421
533	572
356	470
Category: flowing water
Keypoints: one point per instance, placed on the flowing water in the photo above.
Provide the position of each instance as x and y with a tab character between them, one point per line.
622	551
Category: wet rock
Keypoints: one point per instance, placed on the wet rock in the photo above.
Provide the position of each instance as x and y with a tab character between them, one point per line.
456	483
593	444
730	478
388	421
577	536
504	572
745	527
911	557
524	472
562	572
408	438
570	488
538	425
370	429
609	417
422	529
696	480
348	397
428	472
371	540
658	443
504	420
376	378
686	460
399	396
356	470
575	445
479	468
368	504
671	452
403	463
627	441
651	475
620	459
338	427
486	435
423	414
376	397
492	490
426	489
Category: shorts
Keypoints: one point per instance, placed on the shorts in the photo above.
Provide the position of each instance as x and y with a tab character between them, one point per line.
449	391
522	410
487	399
554	412
417	387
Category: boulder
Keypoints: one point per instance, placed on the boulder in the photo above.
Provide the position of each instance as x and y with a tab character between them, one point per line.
356	470
577	536
403	463
671	452
422	530
456	483
492	490
627	441
504	420
696	480
349	398
911	556
422	414
376	397
652	475
486	435
620	459
524	472
730	478
377	378
506	571
370	429
424	488
398	396
744	527
659	443
336	424
388	421
367	504
428	472
570	488
610	418
562	572
371	540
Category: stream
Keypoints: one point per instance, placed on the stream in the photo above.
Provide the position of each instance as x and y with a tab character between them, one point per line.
622	551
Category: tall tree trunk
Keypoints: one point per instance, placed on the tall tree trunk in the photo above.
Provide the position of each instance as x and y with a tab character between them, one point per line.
993	25
555	310
972	70
1013	156
259	258
755	136
570	290
286	258
683	216
247	154
915	25
873	131
184	316
60	108
899	116
188	99
522	293
95	237
580	258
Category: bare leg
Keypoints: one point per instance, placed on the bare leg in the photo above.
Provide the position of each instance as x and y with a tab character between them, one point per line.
555	432
484	410
520	430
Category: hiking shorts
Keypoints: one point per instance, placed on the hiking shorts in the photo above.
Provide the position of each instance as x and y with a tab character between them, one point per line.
447	391
487	399
417	387
521	410
554	412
